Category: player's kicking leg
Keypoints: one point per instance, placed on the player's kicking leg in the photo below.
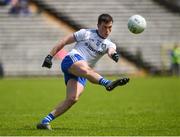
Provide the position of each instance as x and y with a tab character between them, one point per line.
81	68
74	90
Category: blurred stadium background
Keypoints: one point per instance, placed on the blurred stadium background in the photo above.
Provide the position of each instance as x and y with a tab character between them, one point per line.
26	39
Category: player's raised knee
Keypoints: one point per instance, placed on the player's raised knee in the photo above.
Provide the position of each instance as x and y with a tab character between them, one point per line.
84	71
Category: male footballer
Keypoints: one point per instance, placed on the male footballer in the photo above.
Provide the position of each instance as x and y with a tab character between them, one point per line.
77	66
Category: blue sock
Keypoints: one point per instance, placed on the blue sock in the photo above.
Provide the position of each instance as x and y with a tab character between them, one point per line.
47	119
104	82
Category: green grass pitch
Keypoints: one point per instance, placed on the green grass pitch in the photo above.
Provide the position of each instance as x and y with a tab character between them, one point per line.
146	106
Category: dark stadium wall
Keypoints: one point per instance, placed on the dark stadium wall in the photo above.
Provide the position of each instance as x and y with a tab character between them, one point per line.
173	5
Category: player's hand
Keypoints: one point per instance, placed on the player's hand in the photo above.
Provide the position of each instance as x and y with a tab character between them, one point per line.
115	57
47	61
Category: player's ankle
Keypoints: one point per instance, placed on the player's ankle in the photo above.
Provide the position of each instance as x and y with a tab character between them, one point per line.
104	82
48	119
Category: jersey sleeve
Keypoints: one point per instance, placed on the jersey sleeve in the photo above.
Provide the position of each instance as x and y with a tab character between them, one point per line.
112	45
80	35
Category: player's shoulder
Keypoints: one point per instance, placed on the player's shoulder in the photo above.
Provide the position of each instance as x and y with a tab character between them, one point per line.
90	30
86	31
109	41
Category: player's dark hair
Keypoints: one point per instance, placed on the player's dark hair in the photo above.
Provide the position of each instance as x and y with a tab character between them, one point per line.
105	18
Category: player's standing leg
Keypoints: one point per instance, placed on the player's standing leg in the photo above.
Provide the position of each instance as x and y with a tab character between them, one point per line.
73	92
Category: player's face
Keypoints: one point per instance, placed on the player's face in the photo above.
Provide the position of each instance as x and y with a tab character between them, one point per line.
105	29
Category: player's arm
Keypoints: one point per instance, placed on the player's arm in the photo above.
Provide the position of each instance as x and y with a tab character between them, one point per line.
113	54
66	40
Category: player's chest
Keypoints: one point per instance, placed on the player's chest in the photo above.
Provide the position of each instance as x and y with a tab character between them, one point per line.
97	44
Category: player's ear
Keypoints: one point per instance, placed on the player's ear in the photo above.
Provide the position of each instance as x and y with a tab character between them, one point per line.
97	25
